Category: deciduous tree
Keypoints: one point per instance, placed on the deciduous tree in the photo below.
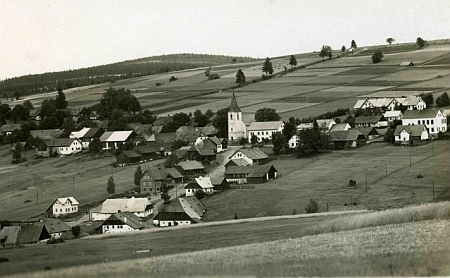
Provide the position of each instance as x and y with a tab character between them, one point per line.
137	176
390	40
95	146
312	206
442	100
428	98
266	115
420	42
279	142
312	141
292	61
60	100
377	56
220	121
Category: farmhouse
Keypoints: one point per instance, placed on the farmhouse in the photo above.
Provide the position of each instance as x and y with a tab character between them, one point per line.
128	157
63	206
340	127
373	121
180	207
304	126
237	162
114	139
264	130
55	227
434	120
35	114
168	219
141	207
190	168
9	236
412	103
199	153
147	152
60	146
293	142
211	143
252	156
86	135
200	183
9	128
410	134
326	124
368	132
31	233
152	181
349	138
122	222
46	133
393	115
250	174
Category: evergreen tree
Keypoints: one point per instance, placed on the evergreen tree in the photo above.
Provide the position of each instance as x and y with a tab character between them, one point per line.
220	122
165	193
17	152
442	100
279	142
293	61
60	101
420	42
138	176
343	48
95	146
325	51
111	186
312	141
353	45
240	78
267	67
312	206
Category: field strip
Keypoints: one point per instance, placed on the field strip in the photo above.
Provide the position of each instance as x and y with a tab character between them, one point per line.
227	222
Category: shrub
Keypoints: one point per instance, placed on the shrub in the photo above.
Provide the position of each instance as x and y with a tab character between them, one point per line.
3	260
312	207
377	56
200	194
242	141
76	230
419	176
172	78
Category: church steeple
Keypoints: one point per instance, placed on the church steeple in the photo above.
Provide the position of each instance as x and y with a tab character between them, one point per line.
234	106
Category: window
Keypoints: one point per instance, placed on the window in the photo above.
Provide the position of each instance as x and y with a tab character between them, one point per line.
432	122
428	122
144	189
231	116
258	132
432	129
237	116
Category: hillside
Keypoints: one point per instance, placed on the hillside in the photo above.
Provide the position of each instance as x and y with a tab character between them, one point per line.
410	241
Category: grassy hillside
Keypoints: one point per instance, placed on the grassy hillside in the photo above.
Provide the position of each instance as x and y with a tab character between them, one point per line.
401	242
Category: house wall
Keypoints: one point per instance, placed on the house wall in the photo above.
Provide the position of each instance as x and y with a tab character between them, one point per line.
62	209
293	142
402	137
236	178
98	216
170	223
264	134
112	229
239	154
433	125
191	191
75	147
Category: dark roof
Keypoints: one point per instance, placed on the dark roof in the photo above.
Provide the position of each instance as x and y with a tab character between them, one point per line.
208	130
173	173
348	135
234	106
253	153
368	119
252	171
202	150
32	234
59	142
167	137
131	154
144	149
190	165
127	218
419	114
414	130
215	140
174	216
9	127
9	235
161	121
156	174
46	133
35	112
192	185
94	132
366	131
55	225
237	162
217	180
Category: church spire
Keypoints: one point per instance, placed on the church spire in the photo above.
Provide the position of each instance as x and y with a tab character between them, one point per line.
234	106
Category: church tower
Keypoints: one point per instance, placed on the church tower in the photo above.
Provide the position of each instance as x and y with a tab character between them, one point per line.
236	126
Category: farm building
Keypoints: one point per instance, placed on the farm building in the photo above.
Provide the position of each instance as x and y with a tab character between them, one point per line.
410	134
208	130
393	115
189	205
264	130
55	227
122	222
93	115
411	103
293	142
220	183
31	233
46	133
35	114
147	153
9	236
236	126
145	137
326	124
139	128
128	157
407	64
152	181
340	127
9	128
368	132
250	174
64	206
373	121
169	219
347	139
141	207
237	162
211	143
190	168
433	119
200	183
303	126
114	139
252	156
86	135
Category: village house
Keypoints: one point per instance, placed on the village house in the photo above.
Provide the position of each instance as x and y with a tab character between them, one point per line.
60	146
169	219
152	181
252	156
147	153
410	134
264	130
86	135
325	125
200	183
293	142
55	227
347	139
373	121
141	207
191	206
122	222
93	116
369	133
112	140
46	133
220	183
200	153
190	168
237	162
9	236
433	119
393	115
7	129
128	157
64	206
410	103
145	137
211	143
208	130
35	114
304	126
340	127
33	233
250	174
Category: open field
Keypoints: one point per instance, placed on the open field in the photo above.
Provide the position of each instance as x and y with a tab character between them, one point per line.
394	94
417	74
289	246
325	179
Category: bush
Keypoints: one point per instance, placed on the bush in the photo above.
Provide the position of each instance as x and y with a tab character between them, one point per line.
377	56
200	194
76	230
312	207
242	141
172	78
3	260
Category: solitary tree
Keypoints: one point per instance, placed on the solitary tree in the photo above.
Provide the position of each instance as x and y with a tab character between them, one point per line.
390	40
420	42
353	46
343	48
325	51
312	206
278	142
293	61
17	152
208	72
267	67
111	186
442	100
60	100
240	78
266	115
95	146
138	176
76	231
165	193
377	56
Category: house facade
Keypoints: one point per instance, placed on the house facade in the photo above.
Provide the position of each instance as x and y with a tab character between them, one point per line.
252	156
250	174
410	134
264	130
190	168
122	222
200	183
112	140
170	219
64	206
434	120
141	207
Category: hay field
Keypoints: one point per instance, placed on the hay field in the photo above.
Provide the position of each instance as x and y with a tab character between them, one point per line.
394	94
280	107
414	74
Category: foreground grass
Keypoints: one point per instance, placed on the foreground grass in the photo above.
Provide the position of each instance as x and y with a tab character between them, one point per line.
410	249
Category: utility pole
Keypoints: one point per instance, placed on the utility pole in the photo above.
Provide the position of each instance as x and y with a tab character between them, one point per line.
432	146
37	195
366	183
410	159
433	190
386	170
73	184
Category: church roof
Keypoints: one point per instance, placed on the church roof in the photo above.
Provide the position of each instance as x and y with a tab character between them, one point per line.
234	106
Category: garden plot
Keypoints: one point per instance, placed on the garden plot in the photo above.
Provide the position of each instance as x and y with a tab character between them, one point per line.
280	107
381	94
339	79
439	82
415	74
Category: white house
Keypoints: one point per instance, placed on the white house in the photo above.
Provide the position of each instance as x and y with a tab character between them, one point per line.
393	115
65	205
326	124
406	134
251	156
122	222
141	207
86	135
434	120
412	103
293	142
304	126
169	219
370	121
114	139
200	183
264	130
236	126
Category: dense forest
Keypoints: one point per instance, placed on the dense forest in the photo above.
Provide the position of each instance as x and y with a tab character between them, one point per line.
48	82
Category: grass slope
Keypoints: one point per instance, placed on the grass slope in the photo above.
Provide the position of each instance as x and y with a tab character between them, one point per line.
368	244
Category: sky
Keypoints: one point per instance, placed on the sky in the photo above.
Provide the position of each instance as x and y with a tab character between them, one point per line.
52	35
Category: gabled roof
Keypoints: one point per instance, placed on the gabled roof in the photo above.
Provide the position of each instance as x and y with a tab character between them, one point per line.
32	234
368	119
173	173
190	165
252	153
202	150
201	182
9	235
421	114
217	180
305	126
251	171
156	174
215	140
359	103
340	127
80	133
167	137
324	123
366	131
116	205
131	154
172	216
55	225
161	121
63	200
192	206
410	101
35	112
148	136
413	130
116	136
255	126
348	135
208	130
59	142
126	218
234	106
237	162
93	132
144	149
392	114
46	133
9	127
